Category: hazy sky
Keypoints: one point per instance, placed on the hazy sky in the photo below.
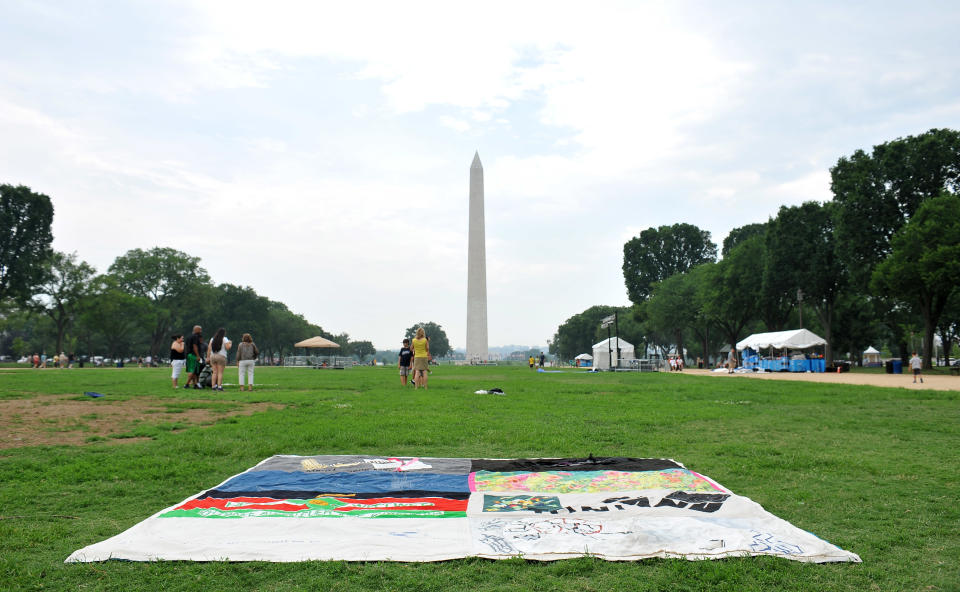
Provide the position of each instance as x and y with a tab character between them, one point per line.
319	152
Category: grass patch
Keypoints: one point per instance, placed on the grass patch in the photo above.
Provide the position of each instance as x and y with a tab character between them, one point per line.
873	470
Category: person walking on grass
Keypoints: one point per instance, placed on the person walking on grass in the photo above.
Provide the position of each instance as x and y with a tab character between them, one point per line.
421	358
916	364
178	359
217	358
247	354
404	360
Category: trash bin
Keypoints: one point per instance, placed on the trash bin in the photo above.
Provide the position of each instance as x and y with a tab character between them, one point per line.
889	366
897	366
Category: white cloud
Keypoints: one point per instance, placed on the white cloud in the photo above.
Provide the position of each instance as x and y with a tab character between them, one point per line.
813	186
454	123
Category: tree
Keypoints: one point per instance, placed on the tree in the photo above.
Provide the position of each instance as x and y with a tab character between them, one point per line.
171	280
25	237
239	309
949	325
923	268
439	345
702	324
362	349
731	291
877	193
801	254
578	333
65	287
658	253
738	235
672	308
283	329
117	322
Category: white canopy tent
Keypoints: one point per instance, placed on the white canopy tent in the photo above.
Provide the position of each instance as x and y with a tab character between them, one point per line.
871	357
794	339
584	357
602	354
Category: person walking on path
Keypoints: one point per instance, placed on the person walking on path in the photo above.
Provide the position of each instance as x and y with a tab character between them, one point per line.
247	354
194	350
178	359
916	364
421	358
404	360
217	358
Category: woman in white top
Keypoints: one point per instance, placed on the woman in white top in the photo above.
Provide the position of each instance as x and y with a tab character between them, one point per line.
217	358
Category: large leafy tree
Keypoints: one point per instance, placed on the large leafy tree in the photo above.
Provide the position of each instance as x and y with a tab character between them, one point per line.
801	255
658	253
439	344
577	334
923	268
171	280
877	193
740	234
731	291
949	326
673	308
237	308
362	349
25	237
284	328
114	321
67	283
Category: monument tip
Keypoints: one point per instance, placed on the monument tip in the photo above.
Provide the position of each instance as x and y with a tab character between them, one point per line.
476	161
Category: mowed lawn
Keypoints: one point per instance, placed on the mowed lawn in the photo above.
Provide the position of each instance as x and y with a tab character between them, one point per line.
873	470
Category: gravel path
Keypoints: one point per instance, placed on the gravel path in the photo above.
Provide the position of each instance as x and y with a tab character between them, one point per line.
931	382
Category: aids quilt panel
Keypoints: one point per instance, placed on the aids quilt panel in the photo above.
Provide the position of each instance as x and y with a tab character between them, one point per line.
368	508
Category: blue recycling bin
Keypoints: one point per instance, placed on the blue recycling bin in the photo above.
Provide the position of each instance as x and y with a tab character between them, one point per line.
898	366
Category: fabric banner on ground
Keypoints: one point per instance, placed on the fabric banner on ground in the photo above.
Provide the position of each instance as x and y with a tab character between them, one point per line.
368	508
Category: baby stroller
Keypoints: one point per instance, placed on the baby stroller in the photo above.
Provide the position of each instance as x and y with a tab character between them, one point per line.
206	374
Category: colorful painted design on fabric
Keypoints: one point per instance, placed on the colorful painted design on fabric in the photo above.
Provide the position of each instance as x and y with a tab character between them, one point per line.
521	503
377	464
590	481
320	507
363	482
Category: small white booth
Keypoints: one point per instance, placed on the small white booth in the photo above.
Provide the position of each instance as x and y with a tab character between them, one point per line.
583	361
871	358
606	350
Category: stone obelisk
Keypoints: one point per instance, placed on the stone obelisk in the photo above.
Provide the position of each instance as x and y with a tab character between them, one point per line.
476	269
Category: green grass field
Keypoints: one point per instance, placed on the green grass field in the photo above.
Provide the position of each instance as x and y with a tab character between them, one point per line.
873	470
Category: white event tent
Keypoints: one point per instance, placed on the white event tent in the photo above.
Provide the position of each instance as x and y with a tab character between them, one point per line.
602	353
794	339
871	357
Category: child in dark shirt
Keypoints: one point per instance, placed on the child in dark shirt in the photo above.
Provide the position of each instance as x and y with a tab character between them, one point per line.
403	363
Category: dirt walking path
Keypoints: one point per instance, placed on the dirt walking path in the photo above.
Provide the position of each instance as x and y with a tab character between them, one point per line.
930	382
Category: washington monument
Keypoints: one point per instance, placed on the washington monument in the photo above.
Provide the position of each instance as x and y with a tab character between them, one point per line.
476	269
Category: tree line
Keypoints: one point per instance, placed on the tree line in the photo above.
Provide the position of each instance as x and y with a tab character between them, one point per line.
877	265
54	302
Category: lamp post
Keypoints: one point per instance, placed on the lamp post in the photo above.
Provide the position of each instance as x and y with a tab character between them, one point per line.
605	324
